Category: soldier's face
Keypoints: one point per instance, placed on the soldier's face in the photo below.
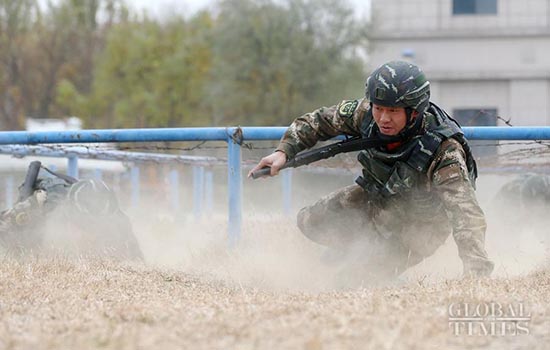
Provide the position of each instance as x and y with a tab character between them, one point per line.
390	120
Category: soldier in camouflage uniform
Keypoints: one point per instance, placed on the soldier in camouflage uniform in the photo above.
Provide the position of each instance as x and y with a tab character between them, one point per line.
526	191
524	199
414	191
84	213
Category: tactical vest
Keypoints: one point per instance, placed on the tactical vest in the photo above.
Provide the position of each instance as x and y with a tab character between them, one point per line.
389	175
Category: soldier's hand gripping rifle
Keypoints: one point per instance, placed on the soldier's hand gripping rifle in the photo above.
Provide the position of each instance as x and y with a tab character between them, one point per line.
328	151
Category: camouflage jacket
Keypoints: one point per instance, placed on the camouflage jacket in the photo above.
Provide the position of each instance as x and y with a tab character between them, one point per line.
447	177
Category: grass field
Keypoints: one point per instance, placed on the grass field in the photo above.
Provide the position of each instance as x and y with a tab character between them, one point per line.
270	293
93	304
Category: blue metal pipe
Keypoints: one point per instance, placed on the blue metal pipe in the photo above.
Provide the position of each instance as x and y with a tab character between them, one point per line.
174	179
222	134
507	133
135	183
263	133
198	191
473	133
234	183
72	166
137	135
113	135
209	191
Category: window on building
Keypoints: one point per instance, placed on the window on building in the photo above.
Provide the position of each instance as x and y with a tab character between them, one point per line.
478	117
474	7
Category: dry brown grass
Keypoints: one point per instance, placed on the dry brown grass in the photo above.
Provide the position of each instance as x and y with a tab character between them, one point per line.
87	303
269	293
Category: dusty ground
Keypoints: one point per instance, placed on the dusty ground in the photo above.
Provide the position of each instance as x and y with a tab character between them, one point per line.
270	293
57	303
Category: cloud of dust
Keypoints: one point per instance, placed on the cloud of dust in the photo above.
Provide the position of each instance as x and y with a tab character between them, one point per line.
273	253
517	239
64	230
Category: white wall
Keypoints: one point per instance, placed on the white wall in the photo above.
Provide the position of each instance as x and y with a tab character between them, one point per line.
467	58
472	95
500	61
400	17
530	102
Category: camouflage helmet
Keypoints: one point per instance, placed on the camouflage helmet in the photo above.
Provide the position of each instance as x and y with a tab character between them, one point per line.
92	197
399	84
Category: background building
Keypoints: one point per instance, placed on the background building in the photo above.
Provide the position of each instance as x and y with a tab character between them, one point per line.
484	58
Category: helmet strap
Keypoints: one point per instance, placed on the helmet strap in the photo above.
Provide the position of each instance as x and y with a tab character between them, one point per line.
413	124
409	112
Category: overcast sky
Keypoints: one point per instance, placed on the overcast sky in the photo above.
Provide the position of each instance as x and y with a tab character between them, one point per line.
160	8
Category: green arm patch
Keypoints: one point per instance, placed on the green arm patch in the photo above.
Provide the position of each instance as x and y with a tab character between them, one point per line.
347	108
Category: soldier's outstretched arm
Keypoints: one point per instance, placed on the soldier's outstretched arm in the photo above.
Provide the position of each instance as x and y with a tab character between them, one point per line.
450	179
323	124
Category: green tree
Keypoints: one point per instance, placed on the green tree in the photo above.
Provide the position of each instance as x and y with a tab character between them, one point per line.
15	25
278	60
152	74
68	41
44	52
251	62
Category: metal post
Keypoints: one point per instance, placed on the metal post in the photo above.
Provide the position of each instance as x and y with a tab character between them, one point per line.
287	191
98	174
198	191
174	180
72	166
134	180
9	191
234	186
209	191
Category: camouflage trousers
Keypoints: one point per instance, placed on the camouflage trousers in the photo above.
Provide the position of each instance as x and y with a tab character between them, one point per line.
346	220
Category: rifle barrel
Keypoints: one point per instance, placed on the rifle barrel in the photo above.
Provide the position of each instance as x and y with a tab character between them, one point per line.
328	151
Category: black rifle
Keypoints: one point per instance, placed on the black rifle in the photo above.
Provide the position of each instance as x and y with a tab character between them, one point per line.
27	188
328	151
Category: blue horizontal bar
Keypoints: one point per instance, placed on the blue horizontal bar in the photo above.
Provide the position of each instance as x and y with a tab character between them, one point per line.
263	133
115	135
507	133
223	134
